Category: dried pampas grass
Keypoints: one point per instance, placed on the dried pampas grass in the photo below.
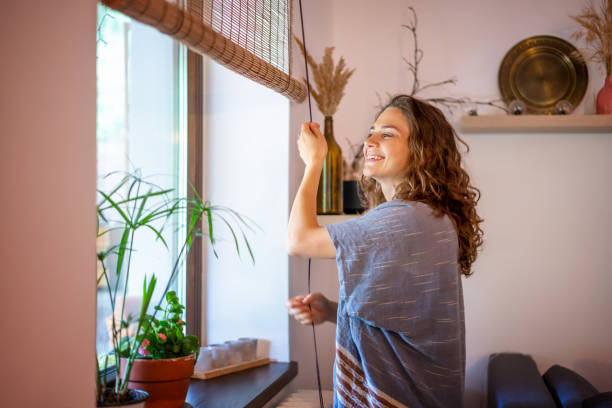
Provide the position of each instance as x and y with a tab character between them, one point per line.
330	80
597	33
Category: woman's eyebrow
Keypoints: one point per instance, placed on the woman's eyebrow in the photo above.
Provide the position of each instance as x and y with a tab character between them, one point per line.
384	127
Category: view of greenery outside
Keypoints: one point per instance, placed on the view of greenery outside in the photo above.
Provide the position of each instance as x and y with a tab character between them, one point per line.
141	127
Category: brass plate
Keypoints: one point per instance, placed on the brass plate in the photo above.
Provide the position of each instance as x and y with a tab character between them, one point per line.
541	71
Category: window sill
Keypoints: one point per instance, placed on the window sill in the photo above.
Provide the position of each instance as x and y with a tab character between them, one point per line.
537	124
249	389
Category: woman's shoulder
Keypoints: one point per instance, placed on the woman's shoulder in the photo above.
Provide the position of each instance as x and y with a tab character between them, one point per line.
389	223
408	210
399	205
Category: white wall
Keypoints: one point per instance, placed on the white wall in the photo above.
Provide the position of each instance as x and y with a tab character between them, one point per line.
48	182
246	170
539	286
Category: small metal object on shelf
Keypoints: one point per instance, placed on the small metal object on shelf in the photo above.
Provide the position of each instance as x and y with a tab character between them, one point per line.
541	71
517	107
471	108
563	107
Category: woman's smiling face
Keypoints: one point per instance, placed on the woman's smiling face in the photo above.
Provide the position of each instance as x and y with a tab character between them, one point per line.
386	147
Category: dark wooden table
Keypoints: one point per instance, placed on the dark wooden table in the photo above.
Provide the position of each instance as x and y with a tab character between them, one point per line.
250	388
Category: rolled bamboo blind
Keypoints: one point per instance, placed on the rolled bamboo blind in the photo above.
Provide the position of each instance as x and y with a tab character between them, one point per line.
250	37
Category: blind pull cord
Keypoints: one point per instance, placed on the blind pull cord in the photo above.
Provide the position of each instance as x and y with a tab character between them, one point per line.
314	336
314	339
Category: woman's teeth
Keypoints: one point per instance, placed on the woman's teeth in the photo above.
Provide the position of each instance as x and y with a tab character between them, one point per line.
374	157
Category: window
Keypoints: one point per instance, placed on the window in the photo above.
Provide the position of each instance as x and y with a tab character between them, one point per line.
141	125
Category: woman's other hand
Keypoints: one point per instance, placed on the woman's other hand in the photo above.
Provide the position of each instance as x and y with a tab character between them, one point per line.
311	144
321	309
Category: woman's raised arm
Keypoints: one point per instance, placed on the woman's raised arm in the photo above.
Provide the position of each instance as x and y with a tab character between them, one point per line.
305	237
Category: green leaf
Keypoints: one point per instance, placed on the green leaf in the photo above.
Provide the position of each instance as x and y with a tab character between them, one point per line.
143	202
117	208
232	231
158	233
195	192
248	247
147	294
210	229
241	219
122	247
100	278
118	186
170	296
124	347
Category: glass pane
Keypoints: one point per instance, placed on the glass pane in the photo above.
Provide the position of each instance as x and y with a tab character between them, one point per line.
140	129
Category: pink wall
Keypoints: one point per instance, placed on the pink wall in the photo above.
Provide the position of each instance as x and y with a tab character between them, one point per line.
540	285
318	21
48	179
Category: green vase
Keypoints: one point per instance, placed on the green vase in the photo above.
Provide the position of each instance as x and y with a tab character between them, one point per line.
329	195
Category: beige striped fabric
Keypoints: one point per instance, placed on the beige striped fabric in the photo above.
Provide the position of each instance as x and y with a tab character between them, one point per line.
250	37
352	387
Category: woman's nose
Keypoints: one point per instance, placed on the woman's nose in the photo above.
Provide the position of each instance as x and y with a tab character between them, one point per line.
371	141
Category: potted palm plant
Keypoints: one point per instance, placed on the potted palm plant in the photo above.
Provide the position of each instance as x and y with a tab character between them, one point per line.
135	206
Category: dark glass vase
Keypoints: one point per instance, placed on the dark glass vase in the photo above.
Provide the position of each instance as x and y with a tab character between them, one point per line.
329	195
351	197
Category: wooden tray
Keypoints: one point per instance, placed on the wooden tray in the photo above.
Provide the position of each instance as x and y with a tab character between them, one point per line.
206	375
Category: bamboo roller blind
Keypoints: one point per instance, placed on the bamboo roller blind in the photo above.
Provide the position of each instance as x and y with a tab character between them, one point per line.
250	37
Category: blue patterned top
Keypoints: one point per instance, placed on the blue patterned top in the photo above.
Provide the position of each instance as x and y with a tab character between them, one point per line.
400	336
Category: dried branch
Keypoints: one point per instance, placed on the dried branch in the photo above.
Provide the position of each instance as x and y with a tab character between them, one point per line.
448	81
449	103
418	53
353	172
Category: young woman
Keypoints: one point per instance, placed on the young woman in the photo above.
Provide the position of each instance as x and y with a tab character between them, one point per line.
400	337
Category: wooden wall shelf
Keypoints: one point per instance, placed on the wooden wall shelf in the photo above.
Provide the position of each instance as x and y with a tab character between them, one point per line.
537	124
332	219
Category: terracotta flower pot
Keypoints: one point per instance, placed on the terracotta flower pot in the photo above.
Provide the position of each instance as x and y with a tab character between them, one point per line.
166	381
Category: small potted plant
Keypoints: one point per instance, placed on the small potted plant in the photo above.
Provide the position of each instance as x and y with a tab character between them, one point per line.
132	207
166	357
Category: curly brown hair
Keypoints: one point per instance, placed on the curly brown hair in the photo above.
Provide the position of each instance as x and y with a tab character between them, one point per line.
434	175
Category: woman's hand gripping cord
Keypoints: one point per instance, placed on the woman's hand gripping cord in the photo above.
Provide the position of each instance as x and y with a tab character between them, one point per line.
311	144
321	309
